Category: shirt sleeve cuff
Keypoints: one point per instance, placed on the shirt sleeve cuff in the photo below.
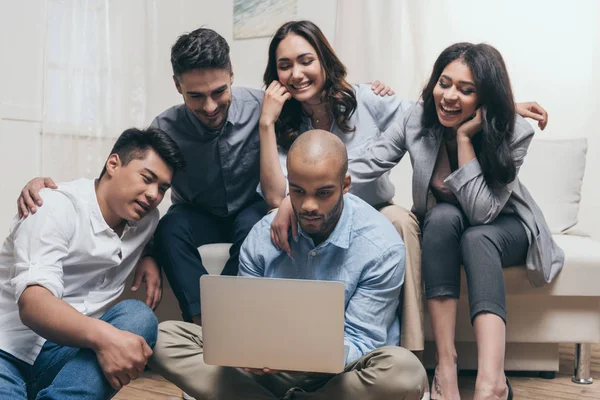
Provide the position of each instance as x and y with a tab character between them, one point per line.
464	174
44	278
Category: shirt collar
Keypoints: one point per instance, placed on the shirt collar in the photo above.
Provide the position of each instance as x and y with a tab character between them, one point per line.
233	115
340	236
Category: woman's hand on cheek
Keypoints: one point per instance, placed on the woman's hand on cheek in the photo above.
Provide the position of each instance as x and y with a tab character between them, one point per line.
469	128
275	96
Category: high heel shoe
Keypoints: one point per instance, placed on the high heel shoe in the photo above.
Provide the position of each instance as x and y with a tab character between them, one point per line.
510	391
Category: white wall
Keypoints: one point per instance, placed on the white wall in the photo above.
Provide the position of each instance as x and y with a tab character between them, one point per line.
551	49
23	29
249	56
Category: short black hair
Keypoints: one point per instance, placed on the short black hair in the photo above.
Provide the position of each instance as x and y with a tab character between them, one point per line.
133	144
202	48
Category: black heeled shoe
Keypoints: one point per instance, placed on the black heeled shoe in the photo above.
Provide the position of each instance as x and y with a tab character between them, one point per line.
510	391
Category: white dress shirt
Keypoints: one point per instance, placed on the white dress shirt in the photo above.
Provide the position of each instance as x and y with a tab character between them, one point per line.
68	248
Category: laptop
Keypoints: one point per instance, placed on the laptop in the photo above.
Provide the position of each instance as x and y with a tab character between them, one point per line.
280	324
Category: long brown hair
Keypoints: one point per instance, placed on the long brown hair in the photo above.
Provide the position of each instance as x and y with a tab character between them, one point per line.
337	92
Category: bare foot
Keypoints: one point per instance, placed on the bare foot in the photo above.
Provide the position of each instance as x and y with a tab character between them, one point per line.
491	391
445	383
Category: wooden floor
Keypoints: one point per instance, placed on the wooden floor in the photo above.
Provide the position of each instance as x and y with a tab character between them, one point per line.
152	386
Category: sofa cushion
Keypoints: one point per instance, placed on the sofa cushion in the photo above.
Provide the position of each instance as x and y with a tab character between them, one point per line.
579	277
553	173
214	256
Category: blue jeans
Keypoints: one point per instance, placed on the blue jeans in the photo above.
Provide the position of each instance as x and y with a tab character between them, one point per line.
65	373
185	228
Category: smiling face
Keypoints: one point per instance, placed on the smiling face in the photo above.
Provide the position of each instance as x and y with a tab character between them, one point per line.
455	95
207	93
137	187
299	69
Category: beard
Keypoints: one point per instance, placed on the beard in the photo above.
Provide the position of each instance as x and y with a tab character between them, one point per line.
329	219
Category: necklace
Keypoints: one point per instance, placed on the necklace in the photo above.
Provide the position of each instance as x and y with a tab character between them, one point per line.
316	120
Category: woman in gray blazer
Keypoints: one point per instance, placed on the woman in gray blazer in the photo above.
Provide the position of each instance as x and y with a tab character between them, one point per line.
466	146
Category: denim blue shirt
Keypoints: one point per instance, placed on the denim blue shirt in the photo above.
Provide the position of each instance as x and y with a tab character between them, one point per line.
364	251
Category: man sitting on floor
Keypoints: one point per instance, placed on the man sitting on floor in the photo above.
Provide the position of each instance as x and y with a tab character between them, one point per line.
62	268
341	238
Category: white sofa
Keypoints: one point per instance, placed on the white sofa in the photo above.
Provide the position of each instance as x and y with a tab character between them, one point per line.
538	319
568	309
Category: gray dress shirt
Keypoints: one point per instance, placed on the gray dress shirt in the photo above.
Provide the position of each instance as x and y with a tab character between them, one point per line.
222	167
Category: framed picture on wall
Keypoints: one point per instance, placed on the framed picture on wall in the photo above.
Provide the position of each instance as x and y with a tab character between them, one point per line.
260	18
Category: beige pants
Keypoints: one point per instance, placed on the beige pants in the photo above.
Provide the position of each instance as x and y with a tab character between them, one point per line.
405	222
386	373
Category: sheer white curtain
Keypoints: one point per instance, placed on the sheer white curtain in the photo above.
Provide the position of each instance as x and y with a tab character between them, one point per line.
379	39
551	49
95	81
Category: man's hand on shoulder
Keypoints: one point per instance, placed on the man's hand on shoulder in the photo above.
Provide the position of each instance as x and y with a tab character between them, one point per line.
148	271
122	355
30	199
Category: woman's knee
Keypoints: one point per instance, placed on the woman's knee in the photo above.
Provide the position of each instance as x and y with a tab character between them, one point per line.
443	217
478	244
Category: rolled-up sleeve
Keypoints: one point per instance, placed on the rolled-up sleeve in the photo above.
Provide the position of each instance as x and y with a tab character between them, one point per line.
383	109
41	243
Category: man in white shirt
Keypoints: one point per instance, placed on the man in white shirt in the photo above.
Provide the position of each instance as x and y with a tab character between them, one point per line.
62	269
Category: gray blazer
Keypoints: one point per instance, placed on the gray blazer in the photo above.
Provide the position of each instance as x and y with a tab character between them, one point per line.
481	203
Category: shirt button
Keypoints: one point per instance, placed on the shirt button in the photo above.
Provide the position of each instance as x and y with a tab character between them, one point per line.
314	253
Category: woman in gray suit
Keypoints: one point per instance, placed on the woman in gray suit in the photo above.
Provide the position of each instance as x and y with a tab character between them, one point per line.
466	146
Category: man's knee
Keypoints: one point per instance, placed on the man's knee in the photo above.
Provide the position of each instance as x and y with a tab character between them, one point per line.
406	378
169	226
173	336
247	218
403	220
171	333
136	317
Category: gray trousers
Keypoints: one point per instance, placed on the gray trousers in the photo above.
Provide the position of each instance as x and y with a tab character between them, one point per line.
387	373
449	241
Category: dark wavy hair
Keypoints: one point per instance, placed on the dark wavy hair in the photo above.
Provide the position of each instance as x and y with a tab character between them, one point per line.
494	93
133	144
338	93
202	48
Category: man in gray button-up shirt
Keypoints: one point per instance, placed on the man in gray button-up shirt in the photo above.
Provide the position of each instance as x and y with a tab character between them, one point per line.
215	199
